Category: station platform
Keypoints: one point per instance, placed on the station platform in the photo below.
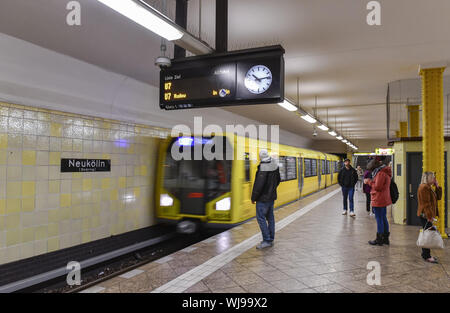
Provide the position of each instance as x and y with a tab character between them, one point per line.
316	250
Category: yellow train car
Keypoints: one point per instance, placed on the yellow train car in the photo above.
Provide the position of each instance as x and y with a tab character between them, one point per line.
193	187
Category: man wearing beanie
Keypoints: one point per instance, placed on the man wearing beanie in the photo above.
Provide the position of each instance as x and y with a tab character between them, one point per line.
264	194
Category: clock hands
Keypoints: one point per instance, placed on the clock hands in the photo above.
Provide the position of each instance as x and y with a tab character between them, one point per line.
260	79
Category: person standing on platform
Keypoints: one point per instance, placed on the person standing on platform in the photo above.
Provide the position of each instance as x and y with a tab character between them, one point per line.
347	179
366	190
264	194
360	173
380	197
427	209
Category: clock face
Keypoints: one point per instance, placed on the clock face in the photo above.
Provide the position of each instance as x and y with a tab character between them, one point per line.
258	79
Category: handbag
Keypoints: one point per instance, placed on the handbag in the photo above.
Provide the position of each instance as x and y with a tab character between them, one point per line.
430	239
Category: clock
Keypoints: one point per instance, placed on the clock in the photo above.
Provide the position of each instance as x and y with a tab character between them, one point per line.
258	79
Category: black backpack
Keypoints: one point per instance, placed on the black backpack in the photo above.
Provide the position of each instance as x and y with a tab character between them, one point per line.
394	191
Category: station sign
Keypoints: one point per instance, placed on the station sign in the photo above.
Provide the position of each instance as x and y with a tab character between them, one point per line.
251	76
384	151
85	165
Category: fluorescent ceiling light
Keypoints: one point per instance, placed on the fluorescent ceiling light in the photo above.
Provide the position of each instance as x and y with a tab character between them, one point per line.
323	127
339	138
344	140
288	106
309	118
332	133
146	17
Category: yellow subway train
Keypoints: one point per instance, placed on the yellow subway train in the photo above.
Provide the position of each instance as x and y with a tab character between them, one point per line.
193	188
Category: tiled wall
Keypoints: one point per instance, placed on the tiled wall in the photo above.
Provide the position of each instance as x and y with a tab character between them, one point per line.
42	209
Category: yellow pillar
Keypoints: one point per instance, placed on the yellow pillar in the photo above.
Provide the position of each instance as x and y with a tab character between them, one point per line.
433	131
397	134
403	129
413	111
350	157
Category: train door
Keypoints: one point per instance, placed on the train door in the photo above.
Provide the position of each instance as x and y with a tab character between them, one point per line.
247	185
331	171
300	175
326	171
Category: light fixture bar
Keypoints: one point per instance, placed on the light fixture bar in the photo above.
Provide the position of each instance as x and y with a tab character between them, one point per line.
309	118
344	140
288	106
332	133
339	138
143	14
323	127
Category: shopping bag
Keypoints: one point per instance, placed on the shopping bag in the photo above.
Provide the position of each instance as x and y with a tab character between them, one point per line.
430	238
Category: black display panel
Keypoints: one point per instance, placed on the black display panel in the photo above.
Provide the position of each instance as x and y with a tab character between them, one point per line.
252	76
282	167
291	168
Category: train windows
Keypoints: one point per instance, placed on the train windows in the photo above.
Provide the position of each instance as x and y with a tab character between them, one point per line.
328	167
208	178
247	167
324	169
288	168
310	167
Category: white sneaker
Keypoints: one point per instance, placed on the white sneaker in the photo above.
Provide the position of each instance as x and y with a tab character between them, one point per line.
344	212
352	214
371	214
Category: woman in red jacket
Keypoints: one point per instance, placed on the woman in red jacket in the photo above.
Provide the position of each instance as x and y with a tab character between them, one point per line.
380	197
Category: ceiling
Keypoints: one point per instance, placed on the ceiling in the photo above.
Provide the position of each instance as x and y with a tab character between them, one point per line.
329	47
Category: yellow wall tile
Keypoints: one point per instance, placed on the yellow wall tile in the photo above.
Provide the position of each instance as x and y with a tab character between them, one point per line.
77	175
53	230
65	200
137	192
87	184
40	232
114	195
106	183
2	206
53	244
85	224
53	216
27	234
3	157
55	130
29	157
13	190
12	206
12	221
143	170
122	182
28	188
65	213
12	237
86	236
54	186
3	141
55	158
28	204
76	212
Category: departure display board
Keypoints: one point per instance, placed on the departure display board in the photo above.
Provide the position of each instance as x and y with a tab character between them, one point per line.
252	76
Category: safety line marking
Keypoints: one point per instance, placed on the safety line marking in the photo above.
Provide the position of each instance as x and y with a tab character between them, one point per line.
190	278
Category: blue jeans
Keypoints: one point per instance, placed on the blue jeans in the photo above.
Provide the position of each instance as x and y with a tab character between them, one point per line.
382	222
264	211
348	192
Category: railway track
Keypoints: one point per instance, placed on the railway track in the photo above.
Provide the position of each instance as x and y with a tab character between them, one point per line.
95	274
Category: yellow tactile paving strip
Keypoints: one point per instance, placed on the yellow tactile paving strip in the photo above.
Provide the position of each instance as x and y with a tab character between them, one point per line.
321	251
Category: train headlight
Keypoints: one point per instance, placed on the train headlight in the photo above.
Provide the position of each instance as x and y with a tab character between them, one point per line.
165	200
224	204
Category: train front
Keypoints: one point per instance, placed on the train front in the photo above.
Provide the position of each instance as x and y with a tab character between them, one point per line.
194	182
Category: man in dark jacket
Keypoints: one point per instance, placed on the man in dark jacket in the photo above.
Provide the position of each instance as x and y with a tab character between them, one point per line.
264	194
347	178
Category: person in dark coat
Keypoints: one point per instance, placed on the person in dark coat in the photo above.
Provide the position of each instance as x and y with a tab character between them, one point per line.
367	189
264	195
347	178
